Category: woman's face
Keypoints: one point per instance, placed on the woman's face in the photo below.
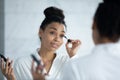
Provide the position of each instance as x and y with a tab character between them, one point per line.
52	36
95	33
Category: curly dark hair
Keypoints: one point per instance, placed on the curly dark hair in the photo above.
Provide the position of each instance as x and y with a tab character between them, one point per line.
107	18
52	14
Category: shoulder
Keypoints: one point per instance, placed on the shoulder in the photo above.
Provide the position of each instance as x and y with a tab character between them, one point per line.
92	60
83	62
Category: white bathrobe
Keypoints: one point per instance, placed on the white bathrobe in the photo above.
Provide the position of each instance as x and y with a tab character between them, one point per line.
102	64
22	67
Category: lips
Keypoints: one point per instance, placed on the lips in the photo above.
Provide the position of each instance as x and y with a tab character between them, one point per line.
55	45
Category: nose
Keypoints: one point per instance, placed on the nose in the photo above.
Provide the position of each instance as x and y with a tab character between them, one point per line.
57	38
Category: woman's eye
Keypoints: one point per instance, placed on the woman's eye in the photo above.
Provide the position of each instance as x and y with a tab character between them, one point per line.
62	36
52	32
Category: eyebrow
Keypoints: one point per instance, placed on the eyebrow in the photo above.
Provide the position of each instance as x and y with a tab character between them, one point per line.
56	29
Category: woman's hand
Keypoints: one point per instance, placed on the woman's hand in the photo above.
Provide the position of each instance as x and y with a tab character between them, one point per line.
7	69
74	47
36	73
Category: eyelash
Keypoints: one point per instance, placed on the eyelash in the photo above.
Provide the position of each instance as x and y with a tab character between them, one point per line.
62	35
52	32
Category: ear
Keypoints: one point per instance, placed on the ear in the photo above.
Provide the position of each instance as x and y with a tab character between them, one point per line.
94	26
40	33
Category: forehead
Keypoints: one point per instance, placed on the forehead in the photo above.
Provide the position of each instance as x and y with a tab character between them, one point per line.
56	26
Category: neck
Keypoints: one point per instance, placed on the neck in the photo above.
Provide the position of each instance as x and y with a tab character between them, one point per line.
46	55
106	40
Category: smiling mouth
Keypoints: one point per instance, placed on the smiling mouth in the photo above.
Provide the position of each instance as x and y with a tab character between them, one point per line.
55	46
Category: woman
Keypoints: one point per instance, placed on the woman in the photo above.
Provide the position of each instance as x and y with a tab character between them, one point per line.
51	33
104	61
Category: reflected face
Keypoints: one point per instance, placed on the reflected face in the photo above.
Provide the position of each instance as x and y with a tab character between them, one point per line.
52	36
95	33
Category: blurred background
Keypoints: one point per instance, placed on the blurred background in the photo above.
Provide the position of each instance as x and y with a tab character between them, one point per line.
20	21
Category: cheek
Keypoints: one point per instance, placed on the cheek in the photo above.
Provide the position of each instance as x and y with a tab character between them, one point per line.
45	39
61	42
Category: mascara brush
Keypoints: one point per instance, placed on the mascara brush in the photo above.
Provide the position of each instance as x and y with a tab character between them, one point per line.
68	40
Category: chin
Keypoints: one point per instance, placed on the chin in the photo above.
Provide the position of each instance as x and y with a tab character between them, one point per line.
52	49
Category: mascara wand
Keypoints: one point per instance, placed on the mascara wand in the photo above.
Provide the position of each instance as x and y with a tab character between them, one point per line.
67	39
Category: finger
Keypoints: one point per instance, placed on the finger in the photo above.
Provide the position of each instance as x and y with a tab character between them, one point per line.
11	63
2	65
40	68
76	42
10	68
6	66
8	61
11	71
67	47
